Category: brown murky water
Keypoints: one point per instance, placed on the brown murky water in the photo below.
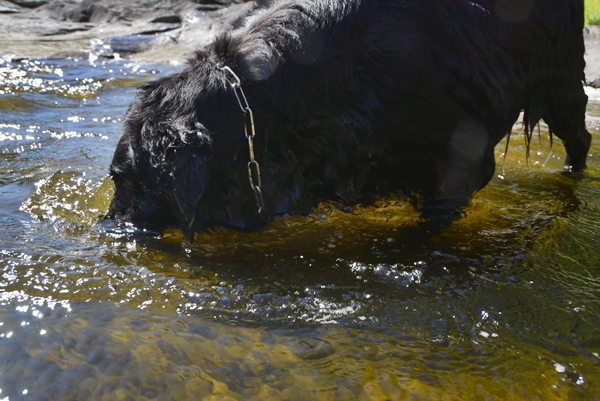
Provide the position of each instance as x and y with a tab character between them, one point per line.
340	305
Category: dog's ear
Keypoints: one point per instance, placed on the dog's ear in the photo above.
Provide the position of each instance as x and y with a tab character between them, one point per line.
122	172
124	158
190	173
123	163
190	179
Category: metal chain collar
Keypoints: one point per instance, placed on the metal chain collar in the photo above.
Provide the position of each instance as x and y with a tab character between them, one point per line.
253	167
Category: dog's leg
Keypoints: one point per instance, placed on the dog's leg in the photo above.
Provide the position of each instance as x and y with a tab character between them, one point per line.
564	112
466	168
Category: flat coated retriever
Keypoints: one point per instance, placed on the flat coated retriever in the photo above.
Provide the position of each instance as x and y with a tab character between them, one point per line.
311	100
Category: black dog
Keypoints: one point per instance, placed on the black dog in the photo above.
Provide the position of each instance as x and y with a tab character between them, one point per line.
348	99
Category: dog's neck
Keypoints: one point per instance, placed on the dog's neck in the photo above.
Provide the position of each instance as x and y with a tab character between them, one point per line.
253	167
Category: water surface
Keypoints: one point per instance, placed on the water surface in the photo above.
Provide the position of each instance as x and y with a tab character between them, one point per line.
357	304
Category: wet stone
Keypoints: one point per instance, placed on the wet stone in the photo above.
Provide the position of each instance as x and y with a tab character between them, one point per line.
80	372
48	376
29	3
88	385
203	331
69	341
114	368
130	44
131	384
173	380
197	385
343	393
206	298
89	12
8	8
126	358
269	393
116	350
222	391
178	356
144	350
10	351
14	372
224	302
165	397
176	388
121	394
169	19
105	317
102	390
40	363
172	368
159	386
313	349
38	397
85	342
62	392
148	392
142	325
95	355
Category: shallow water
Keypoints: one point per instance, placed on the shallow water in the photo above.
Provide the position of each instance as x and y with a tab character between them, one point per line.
356	304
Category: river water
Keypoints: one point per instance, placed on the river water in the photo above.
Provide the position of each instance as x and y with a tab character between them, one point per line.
355	304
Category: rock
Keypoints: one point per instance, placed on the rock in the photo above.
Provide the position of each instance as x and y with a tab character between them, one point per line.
147	30
29	3
591	36
7	7
89	11
169	19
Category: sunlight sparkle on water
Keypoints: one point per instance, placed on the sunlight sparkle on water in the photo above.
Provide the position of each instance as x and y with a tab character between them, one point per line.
354	304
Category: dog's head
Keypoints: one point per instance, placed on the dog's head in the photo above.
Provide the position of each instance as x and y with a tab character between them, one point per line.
183	158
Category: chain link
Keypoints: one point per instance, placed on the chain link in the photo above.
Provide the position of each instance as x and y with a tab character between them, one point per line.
253	167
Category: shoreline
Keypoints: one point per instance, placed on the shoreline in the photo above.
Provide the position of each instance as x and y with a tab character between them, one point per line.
157	31
151	31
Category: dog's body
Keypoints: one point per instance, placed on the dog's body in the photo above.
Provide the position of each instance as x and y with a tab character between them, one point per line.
351	98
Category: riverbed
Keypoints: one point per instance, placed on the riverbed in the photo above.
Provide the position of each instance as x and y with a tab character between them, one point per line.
344	304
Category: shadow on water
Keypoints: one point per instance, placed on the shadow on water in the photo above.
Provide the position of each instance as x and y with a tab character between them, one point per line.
358	303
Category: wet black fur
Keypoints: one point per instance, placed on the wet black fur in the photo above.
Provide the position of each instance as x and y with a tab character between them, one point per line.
352	98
